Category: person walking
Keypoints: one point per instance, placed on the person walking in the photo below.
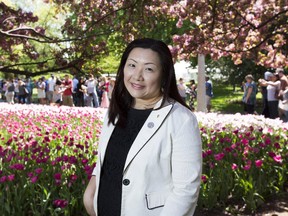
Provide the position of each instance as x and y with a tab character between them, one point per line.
150	156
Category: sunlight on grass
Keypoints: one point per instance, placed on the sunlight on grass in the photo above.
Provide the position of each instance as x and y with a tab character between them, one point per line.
226	100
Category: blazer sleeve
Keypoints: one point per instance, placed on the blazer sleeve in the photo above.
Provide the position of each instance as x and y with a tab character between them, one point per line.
186	164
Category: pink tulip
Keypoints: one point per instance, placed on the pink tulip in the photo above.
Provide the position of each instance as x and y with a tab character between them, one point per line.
60	203
38	170
258	163
18	166
204	178
234	166
277	158
34	179
219	156
3	179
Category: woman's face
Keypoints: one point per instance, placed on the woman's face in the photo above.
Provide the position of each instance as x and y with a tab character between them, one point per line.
142	74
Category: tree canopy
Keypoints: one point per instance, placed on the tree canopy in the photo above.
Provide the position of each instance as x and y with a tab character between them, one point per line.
75	34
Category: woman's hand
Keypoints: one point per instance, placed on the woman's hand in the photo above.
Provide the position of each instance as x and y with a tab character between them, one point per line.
89	196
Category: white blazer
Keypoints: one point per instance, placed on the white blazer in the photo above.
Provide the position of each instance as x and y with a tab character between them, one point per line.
162	173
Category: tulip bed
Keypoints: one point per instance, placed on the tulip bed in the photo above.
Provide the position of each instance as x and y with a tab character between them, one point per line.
47	155
244	159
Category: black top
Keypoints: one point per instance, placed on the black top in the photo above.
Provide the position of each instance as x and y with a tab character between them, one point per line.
110	188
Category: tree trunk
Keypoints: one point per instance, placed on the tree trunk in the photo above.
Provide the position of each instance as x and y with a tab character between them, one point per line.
201	88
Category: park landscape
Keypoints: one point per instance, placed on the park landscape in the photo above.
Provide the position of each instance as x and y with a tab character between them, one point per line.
47	153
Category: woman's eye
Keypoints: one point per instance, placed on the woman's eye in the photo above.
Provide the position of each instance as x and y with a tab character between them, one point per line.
131	65
149	69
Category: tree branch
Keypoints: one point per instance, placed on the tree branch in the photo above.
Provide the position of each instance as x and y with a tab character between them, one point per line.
29	73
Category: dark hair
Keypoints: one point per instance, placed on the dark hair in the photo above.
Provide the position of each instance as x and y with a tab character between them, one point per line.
121	100
58	82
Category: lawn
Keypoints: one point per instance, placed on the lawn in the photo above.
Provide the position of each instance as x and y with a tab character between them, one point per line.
226	100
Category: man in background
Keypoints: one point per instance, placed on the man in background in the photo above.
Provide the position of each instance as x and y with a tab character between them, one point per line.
67	94
51	84
209	93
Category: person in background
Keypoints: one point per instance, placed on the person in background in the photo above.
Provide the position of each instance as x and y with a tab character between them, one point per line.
41	86
10	88
29	86
67	94
249	97
91	84
104	85
273	87
50	91
46	89
80	92
16	95
150	154
74	92
283	82
111	87
209	93
284	106
265	109
192	92
283	87
58	92
182	89
23	92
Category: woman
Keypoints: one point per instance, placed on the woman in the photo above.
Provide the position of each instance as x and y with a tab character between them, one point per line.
80	92
111	87
249	98
57	93
150	160
41	91
23	92
104	86
182	89
10	92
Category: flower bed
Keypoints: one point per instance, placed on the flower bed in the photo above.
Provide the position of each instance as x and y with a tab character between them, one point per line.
244	159
47	155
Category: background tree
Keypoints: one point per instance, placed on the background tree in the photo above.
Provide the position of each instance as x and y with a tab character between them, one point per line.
89	30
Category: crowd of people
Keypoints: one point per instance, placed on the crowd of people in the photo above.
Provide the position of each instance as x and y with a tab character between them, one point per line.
274	90
96	92
68	91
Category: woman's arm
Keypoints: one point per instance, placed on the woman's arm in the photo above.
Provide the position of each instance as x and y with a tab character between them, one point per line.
186	169
248	94
89	196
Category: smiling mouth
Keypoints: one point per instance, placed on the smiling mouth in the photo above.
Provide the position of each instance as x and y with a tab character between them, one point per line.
136	86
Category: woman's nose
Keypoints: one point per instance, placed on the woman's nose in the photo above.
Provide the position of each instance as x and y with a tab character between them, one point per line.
138	74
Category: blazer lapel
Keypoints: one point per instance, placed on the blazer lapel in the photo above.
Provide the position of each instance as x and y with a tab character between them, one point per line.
151	125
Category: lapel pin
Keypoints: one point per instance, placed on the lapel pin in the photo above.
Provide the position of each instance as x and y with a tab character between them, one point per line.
150	125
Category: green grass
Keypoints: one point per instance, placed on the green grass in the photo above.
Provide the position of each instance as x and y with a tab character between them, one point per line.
225	100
